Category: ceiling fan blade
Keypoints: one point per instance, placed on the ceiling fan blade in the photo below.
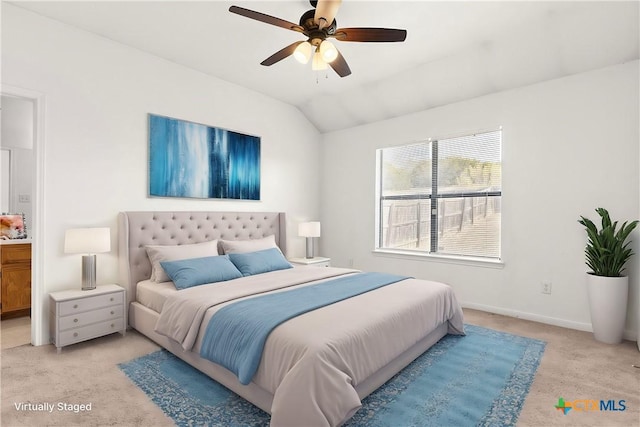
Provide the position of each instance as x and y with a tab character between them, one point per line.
326	11
281	54
370	35
340	66
268	19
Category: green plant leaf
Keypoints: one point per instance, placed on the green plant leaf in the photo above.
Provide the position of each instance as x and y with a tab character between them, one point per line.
607	249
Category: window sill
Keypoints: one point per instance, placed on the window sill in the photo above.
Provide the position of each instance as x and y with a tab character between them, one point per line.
450	259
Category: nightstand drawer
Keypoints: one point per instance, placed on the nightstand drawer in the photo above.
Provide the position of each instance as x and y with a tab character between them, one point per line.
90	331
90	303
312	262
82	319
321	264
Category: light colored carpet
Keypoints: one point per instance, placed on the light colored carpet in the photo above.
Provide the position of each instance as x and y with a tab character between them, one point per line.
15	332
574	366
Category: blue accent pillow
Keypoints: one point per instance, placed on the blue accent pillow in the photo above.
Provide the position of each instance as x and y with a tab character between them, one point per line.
263	261
186	273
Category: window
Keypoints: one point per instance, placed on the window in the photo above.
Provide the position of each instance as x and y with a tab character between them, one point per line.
442	196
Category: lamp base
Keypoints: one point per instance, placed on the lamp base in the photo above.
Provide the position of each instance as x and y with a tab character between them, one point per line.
88	272
309	254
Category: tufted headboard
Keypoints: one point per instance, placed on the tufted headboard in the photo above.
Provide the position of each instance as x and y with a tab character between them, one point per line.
138	229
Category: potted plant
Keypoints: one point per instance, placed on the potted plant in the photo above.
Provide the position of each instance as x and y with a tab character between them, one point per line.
607	252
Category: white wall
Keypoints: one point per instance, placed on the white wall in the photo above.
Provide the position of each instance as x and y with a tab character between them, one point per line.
17	122
569	145
98	95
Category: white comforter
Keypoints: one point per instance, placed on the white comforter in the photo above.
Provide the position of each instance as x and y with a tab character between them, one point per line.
312	363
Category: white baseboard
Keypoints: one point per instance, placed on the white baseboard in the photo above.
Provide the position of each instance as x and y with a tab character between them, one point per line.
629	334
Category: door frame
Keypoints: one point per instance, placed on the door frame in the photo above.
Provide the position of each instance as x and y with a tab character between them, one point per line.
38	238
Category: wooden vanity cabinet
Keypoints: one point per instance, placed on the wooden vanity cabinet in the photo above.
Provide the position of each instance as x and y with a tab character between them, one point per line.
15	273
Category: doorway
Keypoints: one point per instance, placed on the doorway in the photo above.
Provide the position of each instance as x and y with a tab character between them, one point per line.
22	137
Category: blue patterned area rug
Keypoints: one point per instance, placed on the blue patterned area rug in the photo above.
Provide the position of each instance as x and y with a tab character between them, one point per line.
480	379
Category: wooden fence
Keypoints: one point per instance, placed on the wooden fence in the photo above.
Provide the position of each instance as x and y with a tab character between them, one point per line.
407	223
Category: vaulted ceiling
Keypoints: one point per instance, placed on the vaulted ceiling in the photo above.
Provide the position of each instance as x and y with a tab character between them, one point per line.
454	50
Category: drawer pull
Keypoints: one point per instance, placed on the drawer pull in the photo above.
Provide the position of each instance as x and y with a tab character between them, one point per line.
75	306
111	299
75	320
112	325
112	312
75	334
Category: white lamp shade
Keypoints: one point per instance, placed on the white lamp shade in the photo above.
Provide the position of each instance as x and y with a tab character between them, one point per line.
328	51
87	240
309	229
318	63
303	52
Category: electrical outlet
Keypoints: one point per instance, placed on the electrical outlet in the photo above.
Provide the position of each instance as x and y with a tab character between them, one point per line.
24	198
545	287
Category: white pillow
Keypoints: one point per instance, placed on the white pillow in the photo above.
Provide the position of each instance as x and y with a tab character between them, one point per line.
252	245
158	254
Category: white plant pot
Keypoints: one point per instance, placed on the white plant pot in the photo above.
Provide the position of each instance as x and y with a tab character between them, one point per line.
608	306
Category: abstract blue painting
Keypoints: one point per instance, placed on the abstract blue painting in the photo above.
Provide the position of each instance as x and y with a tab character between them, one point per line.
193	160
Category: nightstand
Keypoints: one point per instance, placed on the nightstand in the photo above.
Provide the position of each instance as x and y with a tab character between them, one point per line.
78	315
314	262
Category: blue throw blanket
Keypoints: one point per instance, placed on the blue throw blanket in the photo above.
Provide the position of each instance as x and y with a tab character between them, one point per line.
236	333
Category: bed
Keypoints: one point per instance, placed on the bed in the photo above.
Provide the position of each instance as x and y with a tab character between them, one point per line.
315	368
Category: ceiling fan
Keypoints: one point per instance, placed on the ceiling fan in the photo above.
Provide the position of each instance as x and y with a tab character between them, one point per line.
318	25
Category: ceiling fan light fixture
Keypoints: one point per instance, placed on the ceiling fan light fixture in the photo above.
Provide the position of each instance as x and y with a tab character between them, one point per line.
318	63
317	25
303	52
328	51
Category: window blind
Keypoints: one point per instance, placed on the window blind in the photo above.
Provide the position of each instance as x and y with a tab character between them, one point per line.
442	196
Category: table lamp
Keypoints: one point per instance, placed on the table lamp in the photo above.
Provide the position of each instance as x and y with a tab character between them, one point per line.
88	241
309	230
